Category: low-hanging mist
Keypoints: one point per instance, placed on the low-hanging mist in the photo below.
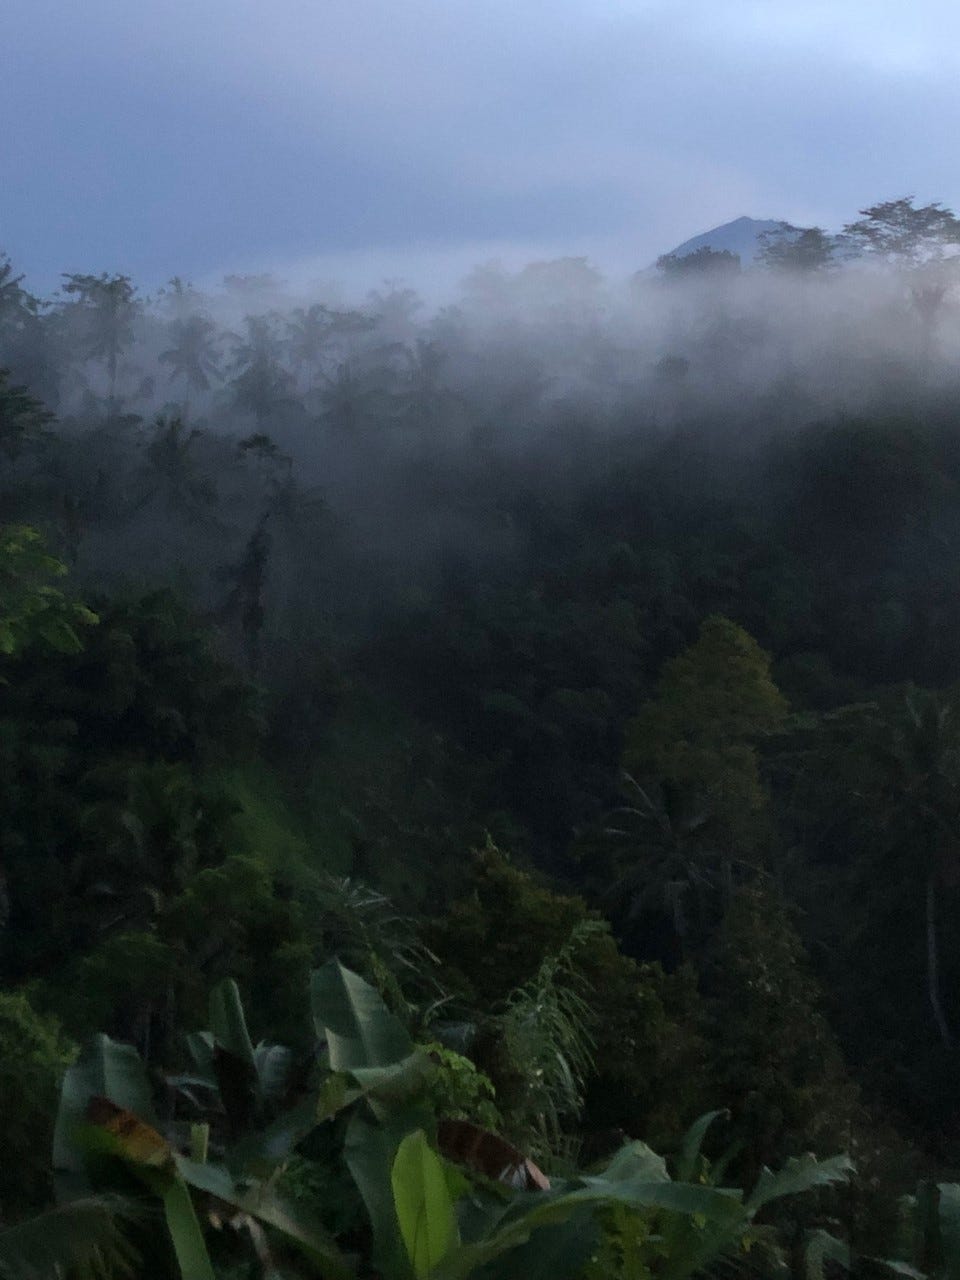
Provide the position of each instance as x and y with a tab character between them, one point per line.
304	465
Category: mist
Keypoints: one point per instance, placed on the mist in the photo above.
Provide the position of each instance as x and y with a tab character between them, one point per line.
341	455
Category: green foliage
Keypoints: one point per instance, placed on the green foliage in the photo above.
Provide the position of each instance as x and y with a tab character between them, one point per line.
427	1220
546	1031
896	229
459	1091
32	611
23	418
478	667
33	1057
702	262
775	1061
648	1058
713	701
807	250
423	1203
83	1239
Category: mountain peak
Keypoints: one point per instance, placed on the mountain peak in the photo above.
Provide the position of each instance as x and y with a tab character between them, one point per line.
741	236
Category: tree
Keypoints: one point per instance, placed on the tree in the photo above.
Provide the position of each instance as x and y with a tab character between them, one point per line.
922	242
426	403
713	701
703	263
171	470
500	943
33	1058
351	401
17	307
917	751
774	1061
262	385
23	418
193	355
799	250
897	232
105	309
26	335
31	610
442	1201
245	601
308	332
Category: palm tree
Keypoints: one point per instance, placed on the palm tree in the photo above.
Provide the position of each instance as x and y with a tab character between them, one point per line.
921	760
308	331
171	471
106	308
902	768
660	859
193	355
350	401
262	385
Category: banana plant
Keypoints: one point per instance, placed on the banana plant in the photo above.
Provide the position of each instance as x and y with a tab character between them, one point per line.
432	1222
262	1095
107	1134
435	1213
929	1234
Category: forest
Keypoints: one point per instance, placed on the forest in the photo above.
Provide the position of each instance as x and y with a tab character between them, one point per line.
480	783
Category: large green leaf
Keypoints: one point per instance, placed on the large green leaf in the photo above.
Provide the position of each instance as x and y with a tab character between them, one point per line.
552	1253
948	1211
634	1161
424	1207
110	1070
359	1028
545	1209
274	1066
147	1154
228	1022
385	1088
692	1143
260	1152
233	1058
798	1175
261	1201
369	1151
185	1234
820	1247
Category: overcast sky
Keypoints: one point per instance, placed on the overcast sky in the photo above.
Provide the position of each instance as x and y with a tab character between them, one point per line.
410	137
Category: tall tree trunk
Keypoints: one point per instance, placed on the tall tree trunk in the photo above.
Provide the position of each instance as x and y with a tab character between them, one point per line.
933	963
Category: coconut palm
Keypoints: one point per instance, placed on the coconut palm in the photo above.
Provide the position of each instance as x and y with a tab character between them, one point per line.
308	332
193	355
919	755
171	471
262	385
106	309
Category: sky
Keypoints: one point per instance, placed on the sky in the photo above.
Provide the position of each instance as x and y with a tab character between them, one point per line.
367	139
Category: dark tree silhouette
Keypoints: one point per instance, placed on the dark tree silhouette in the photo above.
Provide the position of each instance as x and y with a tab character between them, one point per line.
105	308
193	355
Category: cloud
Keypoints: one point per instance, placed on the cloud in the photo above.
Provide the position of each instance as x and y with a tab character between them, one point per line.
177	137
